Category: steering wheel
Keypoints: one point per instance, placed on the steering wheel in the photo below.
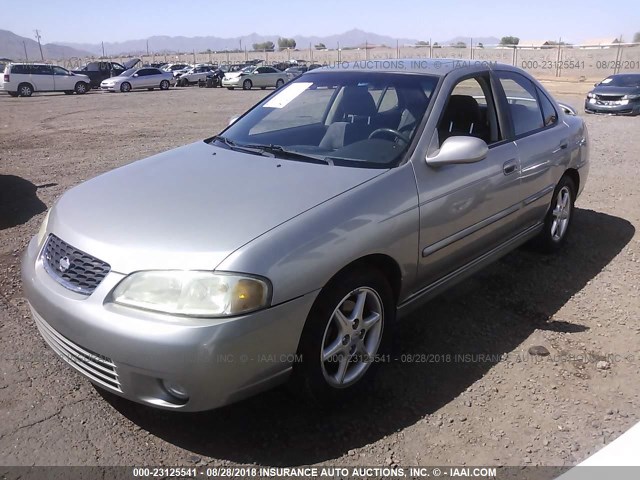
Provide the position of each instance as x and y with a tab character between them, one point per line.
395	133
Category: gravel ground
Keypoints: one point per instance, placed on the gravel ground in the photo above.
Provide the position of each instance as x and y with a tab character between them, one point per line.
480	398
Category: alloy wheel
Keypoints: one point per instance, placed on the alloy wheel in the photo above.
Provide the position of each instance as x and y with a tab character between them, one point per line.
352	337
561	214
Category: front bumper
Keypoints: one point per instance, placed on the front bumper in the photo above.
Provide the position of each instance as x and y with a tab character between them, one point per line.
216	361
109	88
631	108
235	82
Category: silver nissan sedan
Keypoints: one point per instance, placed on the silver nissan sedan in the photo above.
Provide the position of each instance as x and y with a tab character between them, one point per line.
286	247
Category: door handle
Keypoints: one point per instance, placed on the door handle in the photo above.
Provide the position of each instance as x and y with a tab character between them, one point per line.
509	166
562	146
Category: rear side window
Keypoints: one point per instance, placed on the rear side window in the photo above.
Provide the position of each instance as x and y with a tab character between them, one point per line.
20	69
523	102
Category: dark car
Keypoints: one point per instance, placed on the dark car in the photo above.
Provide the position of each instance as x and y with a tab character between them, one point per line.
101	70
618	94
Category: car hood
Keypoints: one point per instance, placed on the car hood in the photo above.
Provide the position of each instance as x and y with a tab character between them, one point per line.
613	90
118	78
233	74
191	207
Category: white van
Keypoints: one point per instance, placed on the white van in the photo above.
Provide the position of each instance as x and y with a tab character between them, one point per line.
22	79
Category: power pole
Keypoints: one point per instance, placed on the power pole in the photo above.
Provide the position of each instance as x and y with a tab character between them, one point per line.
103	55
39	44
24	44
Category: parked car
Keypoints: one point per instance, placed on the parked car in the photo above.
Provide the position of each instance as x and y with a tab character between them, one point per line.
23	79
251	76
617	94
284	248
295	72
173	67
193	75
138	78
101	70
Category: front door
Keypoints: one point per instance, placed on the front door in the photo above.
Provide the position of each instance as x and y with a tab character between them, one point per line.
466	209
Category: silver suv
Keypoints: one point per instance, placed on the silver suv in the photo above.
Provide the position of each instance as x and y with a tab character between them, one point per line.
23	79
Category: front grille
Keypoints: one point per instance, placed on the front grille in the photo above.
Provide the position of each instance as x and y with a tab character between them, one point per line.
609	98
72	268
96	367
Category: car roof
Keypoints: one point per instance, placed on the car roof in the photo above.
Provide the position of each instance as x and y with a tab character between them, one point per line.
426	66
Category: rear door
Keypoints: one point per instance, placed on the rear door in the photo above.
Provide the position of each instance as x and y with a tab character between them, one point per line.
466	210
42	78
541	140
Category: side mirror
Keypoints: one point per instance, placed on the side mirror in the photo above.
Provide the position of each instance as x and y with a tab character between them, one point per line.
233	119
596	84
461	149
135	74
568	109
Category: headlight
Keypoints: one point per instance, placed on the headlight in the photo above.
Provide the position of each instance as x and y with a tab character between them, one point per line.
591	95
193	293
43	228
631	96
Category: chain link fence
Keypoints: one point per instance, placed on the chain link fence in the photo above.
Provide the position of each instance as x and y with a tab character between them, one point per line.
545	61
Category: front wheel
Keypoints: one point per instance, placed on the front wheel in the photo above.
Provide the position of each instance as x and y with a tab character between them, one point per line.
558	219
246	85
125	87
344	334
279	83
164	85
81	88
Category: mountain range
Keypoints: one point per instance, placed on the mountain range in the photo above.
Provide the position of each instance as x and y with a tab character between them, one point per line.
13	46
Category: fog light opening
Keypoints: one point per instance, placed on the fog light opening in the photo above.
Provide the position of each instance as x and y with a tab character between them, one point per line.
175	390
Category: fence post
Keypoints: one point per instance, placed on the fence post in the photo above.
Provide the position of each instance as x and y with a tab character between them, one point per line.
471	48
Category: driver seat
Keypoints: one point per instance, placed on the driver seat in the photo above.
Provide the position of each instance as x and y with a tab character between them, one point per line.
356	111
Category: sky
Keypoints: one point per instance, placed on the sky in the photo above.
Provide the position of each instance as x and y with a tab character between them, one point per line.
571	20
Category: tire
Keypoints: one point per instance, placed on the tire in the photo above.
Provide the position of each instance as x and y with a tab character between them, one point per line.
125	87
279	83
247	85
263	88
164	85
13	94
150	89
81	88
25	90
328	370
68	92
558	221
230	88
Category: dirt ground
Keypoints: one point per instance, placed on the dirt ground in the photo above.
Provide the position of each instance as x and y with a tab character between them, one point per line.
483	401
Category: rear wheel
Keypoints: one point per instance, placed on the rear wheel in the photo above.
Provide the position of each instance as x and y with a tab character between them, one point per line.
125	87
247	85
68	92
344	334
81	88
279	83
25	90
230	88
558	219
164	85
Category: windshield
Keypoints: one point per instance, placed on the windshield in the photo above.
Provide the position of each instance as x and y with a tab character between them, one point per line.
362	119
622	81
248	69
128	73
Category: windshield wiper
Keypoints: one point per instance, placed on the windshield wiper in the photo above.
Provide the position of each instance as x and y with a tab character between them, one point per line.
280	152
238	147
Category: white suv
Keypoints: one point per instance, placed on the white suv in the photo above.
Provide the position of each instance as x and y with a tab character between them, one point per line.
22	79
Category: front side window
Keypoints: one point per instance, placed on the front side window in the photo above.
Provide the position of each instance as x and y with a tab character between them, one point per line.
470	111
42	70
549	114
334	115
60	71
526	114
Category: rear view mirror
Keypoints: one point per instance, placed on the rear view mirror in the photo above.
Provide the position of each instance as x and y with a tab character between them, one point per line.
457	150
